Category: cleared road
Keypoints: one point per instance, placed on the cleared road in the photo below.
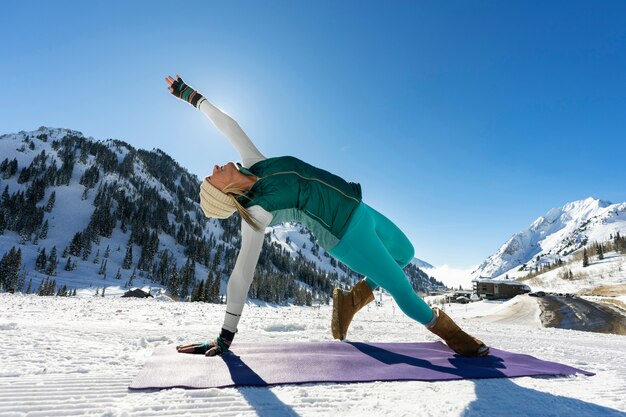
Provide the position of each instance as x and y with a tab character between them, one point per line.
580	314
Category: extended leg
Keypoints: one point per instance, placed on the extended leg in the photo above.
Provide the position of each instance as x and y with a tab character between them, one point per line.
363	251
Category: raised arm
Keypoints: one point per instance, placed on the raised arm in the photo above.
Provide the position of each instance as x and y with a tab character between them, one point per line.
223	122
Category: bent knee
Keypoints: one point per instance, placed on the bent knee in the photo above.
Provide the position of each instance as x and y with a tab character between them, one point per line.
407	255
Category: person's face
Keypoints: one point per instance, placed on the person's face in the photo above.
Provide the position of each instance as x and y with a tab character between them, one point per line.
224	175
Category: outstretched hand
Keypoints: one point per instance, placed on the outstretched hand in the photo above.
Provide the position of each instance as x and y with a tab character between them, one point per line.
212	347
170	80
183	91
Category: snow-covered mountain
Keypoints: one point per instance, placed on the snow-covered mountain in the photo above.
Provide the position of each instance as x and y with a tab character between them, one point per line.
554	236
421	264
89	214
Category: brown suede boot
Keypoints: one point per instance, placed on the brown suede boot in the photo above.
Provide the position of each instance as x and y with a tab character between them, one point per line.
455	338
345	306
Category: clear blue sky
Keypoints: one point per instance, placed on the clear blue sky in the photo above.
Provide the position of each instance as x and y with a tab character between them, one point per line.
463	121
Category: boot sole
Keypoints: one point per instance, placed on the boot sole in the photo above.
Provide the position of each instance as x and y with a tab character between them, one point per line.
483	351
480	352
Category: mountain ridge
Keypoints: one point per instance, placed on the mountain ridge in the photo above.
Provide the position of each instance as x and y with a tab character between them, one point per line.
554	236
142	206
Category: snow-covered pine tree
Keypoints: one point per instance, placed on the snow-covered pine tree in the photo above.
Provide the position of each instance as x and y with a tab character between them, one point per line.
86	250
43	234
214	292
51	201
10	264
198	291
51	267
103	267
173	283
62	291
76	246
53	287
42	286
68	264
128	258
42	259
205	291
21	280
218	258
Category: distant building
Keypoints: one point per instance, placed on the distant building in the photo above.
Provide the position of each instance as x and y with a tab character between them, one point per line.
492	289
459	296
137	293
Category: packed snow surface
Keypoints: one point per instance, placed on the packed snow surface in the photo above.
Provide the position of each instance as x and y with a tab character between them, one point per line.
76	356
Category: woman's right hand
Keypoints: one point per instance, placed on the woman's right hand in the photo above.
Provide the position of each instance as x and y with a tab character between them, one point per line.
213	347
208	348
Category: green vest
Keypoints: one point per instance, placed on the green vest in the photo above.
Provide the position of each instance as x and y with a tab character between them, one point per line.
294	191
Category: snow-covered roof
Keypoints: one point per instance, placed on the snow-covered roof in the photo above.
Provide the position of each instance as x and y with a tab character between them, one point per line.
499	281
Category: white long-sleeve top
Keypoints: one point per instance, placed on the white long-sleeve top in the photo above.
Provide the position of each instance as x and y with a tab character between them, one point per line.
251	240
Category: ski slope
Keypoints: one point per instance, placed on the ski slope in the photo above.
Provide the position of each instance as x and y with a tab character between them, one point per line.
76	356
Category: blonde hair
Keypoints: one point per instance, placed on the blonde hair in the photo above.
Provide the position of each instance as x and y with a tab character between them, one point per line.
233	192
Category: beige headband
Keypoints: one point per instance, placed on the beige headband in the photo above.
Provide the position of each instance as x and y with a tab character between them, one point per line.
214	202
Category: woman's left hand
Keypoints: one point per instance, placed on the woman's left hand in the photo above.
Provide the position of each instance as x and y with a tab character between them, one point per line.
171	80
183	91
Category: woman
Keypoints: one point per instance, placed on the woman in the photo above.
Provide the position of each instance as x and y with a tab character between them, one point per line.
268	191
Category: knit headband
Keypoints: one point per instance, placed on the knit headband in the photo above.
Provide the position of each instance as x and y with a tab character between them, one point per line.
214	202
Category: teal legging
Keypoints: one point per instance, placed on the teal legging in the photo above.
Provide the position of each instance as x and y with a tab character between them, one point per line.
373	246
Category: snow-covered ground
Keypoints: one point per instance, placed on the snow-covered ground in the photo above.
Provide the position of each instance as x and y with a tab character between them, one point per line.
76	356
609	271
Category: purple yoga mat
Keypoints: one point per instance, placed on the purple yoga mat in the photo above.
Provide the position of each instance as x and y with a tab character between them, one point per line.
265	364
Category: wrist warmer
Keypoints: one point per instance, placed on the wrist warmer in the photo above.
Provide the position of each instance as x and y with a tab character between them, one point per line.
185	92
225	339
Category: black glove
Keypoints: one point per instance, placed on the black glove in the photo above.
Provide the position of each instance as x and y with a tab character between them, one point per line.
185	92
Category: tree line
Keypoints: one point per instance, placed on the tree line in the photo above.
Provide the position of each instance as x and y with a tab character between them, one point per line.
146	211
